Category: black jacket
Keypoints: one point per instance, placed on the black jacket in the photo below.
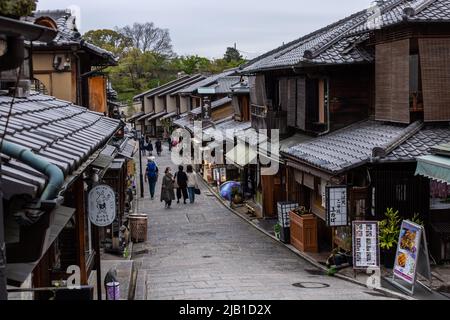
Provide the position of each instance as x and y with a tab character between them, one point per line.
182	179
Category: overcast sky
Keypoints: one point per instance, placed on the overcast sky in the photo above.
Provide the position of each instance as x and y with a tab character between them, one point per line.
207	27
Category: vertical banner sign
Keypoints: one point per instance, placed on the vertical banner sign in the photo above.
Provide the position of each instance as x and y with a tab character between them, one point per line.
412	256
336	200
366	248
102	205
223	175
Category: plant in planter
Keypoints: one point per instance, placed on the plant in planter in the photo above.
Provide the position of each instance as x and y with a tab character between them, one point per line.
277	230
236	195
389	233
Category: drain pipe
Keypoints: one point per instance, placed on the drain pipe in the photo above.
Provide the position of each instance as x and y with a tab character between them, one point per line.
54	174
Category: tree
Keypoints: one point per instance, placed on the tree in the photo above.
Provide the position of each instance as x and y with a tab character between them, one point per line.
148	37
17	8
232	54
110	40
191	64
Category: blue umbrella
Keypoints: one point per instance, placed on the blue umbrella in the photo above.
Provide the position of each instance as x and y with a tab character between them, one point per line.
227	188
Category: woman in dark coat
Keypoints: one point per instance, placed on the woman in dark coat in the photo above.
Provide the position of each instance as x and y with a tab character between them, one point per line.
167	193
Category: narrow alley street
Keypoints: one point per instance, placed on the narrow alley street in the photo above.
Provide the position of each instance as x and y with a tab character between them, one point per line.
204	251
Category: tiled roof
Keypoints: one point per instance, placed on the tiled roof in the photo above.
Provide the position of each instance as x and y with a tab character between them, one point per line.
60	132
207	82
161	88
343	41
215	104
69	35
421	143
223	85
348	147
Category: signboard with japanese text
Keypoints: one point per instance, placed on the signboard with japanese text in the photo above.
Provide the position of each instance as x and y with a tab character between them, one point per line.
336	206
366	249
102	205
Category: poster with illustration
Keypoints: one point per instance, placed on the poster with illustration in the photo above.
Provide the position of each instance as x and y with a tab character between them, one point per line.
408	251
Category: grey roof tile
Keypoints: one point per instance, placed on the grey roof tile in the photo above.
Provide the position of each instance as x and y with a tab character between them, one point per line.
62	133
340	42
348	147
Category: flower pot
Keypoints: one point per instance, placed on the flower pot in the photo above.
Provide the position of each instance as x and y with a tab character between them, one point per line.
388	258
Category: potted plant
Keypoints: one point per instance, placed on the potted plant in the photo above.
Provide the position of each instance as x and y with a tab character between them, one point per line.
277	230
389	233
236	195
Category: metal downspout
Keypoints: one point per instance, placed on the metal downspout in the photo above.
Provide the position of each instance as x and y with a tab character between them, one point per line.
54	174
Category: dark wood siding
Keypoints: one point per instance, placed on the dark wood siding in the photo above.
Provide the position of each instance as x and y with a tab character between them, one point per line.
292	102
435	64
301	104
392	81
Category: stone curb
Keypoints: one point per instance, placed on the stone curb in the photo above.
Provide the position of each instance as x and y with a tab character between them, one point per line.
387	292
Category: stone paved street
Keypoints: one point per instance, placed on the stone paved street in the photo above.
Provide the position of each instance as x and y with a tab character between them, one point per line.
204	251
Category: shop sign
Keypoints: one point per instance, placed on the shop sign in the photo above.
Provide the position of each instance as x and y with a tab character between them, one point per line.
102	205
336	206
366	248
412	256
223	175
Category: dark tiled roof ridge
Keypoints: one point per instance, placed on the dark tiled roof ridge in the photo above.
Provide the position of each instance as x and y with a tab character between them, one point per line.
178	80
299	41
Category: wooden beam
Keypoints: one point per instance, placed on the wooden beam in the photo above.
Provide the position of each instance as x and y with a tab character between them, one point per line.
80	215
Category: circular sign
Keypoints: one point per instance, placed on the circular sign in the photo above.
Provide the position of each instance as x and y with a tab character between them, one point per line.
102	205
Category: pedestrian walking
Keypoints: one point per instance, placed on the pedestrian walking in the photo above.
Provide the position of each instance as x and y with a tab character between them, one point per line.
142	145
192	183
149	148
167	193
151	175
158	147
169	141
181	182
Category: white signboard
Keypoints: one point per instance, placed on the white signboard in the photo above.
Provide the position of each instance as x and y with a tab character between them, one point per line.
102	205
366	249
336	198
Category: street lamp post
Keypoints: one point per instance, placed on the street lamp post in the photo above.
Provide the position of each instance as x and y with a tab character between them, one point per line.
3	292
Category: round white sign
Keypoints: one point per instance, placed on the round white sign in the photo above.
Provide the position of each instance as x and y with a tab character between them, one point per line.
102	205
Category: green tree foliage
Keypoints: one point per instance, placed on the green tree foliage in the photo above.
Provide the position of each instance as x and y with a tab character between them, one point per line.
17	8
147	60
108	39
232	54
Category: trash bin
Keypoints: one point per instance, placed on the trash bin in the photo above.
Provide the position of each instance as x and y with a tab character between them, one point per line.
113	291
138	227
283	219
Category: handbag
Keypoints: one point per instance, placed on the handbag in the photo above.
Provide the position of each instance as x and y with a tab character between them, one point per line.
197	191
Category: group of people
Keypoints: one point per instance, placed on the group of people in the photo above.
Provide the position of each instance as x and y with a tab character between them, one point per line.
147	146
185	183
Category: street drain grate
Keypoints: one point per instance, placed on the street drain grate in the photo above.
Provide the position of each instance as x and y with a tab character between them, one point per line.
315	272
206	257
311	285
202	233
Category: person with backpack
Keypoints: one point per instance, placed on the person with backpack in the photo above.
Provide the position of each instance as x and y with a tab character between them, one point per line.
158	147
181	181
151	175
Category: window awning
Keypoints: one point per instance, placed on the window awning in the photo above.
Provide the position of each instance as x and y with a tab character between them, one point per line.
135	117
242	155
157	115
146	116
169	115
434	167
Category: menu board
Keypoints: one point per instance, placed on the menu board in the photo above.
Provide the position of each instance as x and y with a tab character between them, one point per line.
336	200
408	252
366	249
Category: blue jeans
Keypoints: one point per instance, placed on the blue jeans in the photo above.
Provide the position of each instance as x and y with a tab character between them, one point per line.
191	192
152	186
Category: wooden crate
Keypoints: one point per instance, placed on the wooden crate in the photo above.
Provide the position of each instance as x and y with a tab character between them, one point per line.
304	232
138	227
